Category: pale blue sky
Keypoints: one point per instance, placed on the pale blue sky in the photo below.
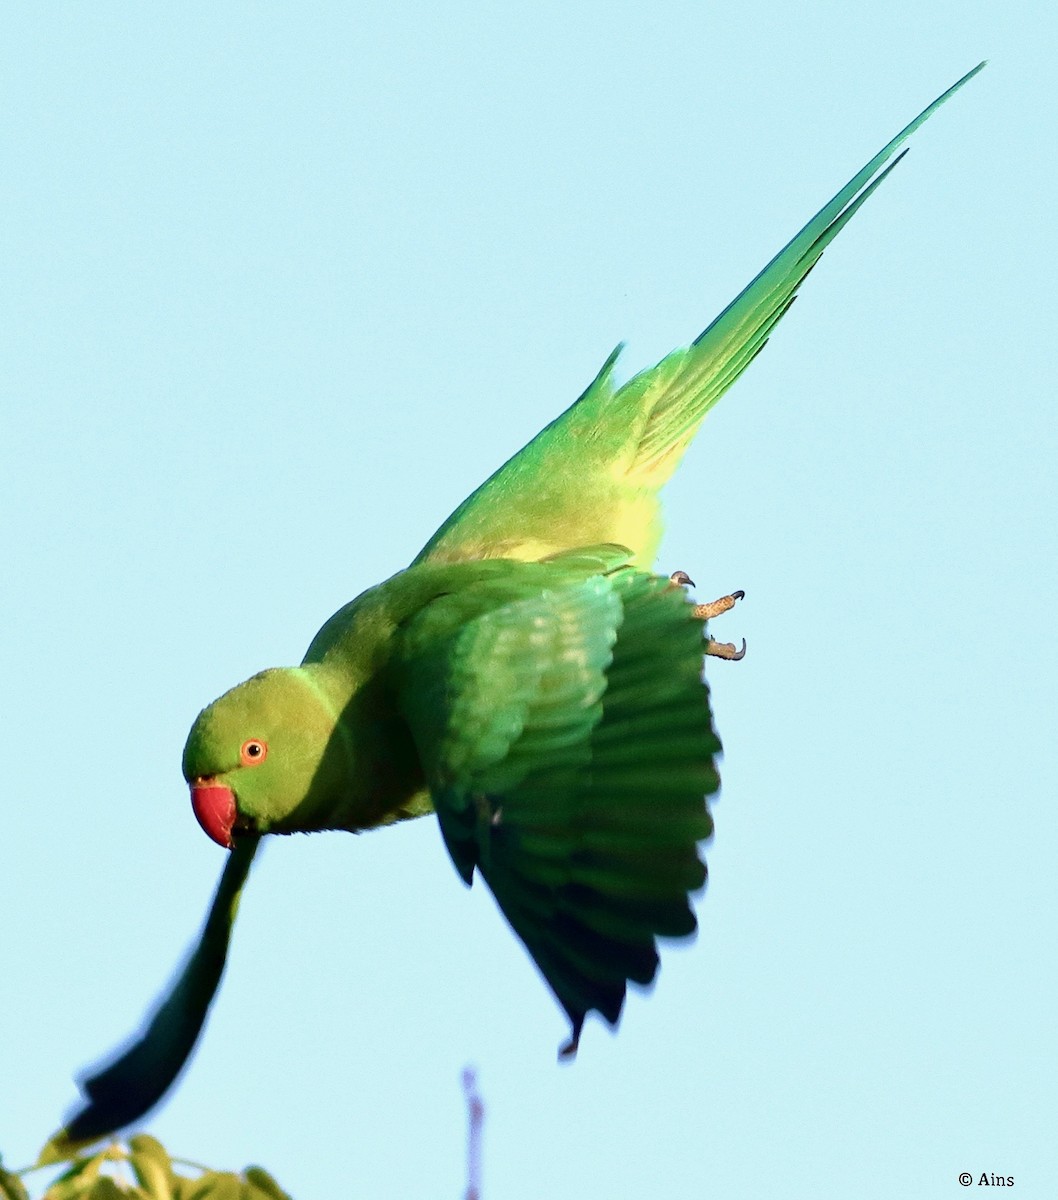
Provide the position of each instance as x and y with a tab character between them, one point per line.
283	284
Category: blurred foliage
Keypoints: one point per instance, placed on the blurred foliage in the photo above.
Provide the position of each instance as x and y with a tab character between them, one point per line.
141	1168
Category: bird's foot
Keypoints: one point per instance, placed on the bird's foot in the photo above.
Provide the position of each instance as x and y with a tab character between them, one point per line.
706	612
716	607
726	650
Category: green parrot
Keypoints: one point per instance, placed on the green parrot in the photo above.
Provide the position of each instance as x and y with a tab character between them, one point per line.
529	679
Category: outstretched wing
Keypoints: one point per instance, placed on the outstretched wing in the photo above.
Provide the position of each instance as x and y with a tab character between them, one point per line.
569	748
593	475
134	1083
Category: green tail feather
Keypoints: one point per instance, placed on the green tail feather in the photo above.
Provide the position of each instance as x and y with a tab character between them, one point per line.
690	381
593	474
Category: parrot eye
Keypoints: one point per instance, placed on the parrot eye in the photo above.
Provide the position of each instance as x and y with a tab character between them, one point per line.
253	752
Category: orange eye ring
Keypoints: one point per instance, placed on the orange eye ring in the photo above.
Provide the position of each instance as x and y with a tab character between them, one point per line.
253	752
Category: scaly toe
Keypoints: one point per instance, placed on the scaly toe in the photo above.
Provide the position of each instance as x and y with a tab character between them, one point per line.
723	605
726	650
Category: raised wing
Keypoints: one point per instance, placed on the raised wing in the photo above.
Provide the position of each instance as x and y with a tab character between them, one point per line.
569	749
134	1083
593	475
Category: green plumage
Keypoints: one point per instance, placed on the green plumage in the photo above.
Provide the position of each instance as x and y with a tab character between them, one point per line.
569	749
145	1071
529	678
593	475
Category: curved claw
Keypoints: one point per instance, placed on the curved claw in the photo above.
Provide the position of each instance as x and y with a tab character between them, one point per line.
717	607
726	650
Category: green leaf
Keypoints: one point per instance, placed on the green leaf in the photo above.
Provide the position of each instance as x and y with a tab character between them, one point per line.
60	1147
156	1177
217	1185
261	1183
152	1166
105	1188
11	1187
77	1180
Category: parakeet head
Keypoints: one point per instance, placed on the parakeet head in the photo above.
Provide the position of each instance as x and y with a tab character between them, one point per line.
257	758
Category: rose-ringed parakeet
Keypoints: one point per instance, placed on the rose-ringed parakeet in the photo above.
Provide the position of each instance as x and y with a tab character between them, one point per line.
528	678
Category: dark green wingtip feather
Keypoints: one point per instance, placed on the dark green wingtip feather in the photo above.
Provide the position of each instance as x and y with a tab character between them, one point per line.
134	1083
591	878
587	831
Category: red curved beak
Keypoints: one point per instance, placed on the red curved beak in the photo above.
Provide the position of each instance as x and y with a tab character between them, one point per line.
214	806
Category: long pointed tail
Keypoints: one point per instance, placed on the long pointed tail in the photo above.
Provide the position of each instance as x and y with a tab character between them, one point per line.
593	474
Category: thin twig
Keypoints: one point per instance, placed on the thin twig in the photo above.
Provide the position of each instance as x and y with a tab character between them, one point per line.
475	1120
